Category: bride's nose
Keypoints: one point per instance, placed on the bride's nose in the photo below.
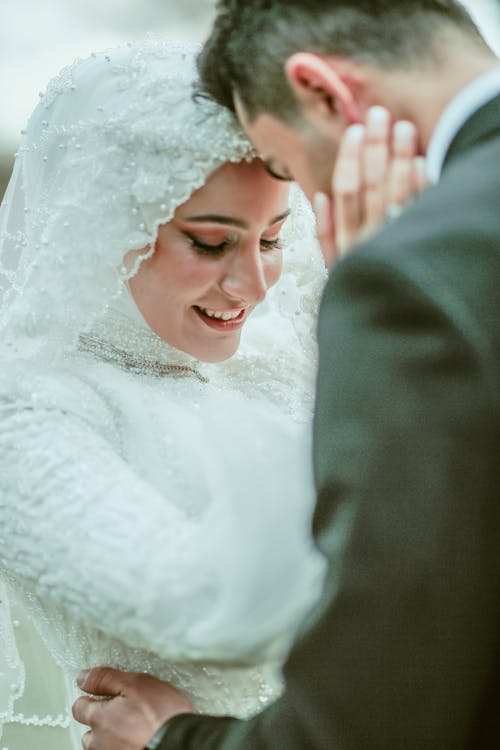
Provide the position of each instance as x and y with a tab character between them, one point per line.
244	275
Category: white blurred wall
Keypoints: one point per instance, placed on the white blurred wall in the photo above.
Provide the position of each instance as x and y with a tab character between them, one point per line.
39	37
487	14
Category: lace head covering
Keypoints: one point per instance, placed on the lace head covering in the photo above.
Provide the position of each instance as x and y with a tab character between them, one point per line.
117	142
114	146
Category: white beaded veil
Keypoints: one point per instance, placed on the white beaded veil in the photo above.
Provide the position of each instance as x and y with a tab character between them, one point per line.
115	145
117	142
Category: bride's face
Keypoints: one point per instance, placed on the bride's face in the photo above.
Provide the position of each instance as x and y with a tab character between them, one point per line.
214	262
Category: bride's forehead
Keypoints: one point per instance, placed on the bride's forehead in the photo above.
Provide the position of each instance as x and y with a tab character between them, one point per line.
245	184
241	174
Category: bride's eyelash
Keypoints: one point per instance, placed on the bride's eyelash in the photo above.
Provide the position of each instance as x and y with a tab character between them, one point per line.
276	244
205	249
215	250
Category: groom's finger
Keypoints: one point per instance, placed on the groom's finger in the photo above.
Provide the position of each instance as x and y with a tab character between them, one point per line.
85	710
348	187
104	681
420	174
402	172
376	165
325	227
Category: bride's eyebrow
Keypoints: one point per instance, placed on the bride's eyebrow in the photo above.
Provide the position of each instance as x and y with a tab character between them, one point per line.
231	221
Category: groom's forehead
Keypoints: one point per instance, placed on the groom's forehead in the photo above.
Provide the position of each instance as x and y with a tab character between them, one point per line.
266	131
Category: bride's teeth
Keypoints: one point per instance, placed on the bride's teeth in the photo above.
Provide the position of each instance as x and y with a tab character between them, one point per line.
221	316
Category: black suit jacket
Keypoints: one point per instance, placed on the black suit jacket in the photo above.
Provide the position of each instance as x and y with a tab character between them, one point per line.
404	652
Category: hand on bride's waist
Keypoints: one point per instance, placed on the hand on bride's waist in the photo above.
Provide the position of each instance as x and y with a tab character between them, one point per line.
137	706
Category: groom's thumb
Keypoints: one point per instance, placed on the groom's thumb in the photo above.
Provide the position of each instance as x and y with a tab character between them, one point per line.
103	681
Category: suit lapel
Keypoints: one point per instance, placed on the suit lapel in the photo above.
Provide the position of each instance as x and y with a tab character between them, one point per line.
483	125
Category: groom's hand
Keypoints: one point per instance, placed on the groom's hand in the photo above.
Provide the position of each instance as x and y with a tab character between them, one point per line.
377	172
132	708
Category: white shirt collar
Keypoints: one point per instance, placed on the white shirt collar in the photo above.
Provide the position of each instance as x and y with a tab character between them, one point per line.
471	98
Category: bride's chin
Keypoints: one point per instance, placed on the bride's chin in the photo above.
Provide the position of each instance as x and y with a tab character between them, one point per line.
216	355
217	351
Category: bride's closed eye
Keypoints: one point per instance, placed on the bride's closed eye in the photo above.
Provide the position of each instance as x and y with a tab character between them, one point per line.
204	248
275	244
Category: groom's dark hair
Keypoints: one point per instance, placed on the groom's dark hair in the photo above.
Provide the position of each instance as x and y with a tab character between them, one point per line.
252	39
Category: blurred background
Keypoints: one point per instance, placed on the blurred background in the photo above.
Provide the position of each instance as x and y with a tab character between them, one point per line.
38	38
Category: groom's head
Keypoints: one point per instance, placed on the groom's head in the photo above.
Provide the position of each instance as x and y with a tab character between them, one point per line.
298	72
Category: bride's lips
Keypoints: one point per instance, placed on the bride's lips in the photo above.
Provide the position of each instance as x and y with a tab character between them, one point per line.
218	324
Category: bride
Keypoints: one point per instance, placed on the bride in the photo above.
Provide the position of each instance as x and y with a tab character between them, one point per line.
155	408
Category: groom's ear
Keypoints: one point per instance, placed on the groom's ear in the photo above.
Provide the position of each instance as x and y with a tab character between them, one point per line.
325	86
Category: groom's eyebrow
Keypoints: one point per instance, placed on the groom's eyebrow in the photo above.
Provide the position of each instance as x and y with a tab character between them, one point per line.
231	221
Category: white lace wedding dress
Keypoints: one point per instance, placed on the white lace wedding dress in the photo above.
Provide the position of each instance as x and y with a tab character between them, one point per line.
155	511
161	522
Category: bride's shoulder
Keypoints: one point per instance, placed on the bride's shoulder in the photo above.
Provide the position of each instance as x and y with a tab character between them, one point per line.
40	386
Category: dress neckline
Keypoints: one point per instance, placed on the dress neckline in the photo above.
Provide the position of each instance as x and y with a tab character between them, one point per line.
122	337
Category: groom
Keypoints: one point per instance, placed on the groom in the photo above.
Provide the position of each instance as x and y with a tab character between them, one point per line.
404	652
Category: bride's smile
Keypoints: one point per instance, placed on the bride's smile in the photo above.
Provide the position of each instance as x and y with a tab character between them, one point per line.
214	262
222	321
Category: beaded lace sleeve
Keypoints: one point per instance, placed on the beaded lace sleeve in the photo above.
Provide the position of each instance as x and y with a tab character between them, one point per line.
87	534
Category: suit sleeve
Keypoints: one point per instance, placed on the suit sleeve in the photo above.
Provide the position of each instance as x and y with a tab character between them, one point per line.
402	647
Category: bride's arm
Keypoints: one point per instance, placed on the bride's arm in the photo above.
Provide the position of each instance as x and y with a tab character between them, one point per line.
82	528
90	535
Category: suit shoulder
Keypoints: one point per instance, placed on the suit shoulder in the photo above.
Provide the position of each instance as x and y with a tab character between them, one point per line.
441	259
